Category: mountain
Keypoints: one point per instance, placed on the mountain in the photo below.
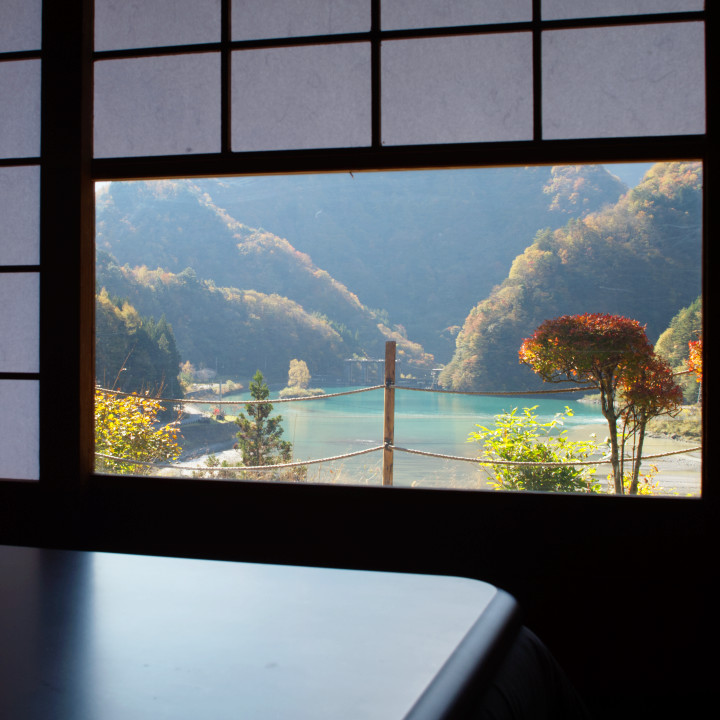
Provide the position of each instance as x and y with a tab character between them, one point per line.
134	353
640	257
393	254
253	272
230	330
424	246
175	227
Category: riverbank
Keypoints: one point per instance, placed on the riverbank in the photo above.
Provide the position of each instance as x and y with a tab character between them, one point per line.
678	475
318	429
206	436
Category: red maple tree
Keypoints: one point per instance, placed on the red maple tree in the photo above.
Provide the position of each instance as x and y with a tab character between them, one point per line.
612	354
646	391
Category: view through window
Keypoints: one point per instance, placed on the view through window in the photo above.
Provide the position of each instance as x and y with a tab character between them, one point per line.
287	289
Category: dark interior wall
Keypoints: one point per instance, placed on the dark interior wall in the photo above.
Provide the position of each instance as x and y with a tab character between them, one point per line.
618	588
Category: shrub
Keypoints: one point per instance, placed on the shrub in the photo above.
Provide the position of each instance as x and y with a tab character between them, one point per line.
523	438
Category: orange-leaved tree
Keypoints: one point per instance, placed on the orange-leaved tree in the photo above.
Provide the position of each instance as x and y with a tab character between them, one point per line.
695	358
610	353
647	390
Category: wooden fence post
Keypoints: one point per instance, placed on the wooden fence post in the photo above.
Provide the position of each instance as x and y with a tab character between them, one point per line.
389	424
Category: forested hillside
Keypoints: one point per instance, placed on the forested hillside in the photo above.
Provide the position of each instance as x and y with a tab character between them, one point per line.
134	353
419	248
423	246
640	258
174	226
237	331
459	264
674	345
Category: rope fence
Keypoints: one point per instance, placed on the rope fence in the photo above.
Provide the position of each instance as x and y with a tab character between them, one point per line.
279	466
325	396
499	393
483	461
388	446
425	453
183	401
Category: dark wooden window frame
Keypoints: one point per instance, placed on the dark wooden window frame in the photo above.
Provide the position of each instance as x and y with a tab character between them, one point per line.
618	587
68	172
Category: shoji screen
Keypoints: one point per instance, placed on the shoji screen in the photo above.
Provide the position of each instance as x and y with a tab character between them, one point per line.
20	35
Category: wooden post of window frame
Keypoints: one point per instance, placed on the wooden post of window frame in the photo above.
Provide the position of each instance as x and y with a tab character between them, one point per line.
389	423
67	245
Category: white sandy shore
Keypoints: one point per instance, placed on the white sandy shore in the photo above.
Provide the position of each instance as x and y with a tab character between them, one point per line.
677	474
232	457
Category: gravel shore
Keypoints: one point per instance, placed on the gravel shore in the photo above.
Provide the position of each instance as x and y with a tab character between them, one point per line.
678	475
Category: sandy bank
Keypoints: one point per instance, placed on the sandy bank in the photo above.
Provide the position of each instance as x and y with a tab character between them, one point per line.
677	474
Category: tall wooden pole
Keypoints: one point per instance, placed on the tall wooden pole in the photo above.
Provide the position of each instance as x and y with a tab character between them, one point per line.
389	424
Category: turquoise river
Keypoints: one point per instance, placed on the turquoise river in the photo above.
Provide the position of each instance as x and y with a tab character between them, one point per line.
431	422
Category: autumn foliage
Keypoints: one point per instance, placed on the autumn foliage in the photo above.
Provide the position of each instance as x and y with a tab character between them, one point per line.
637	258
126	427
612	354
647	390
695	358
587	348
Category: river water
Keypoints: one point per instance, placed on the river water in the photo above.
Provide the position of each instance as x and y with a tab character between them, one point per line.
431	422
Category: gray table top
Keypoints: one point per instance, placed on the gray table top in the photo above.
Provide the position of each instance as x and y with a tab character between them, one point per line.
124	637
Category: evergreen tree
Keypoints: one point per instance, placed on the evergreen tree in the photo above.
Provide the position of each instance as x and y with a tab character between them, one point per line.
260	436
134	353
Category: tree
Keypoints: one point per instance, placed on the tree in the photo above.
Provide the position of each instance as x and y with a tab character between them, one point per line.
132	352
685	326
298	381
298	374
260	435
675	345
126	427
607	352
523	438
695	358
695	363
647	390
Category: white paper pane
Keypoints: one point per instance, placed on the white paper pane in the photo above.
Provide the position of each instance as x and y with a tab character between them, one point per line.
624	81
20	109
402	14
157	105
154	23
20	25
301	97
256	19
19	321
457	89
19	430
558	9
20	212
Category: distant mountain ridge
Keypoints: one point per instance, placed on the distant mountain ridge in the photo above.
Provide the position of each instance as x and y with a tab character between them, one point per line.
229	330
422	245
640	258
419	247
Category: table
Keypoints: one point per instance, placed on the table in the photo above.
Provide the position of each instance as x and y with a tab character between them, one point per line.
101	636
